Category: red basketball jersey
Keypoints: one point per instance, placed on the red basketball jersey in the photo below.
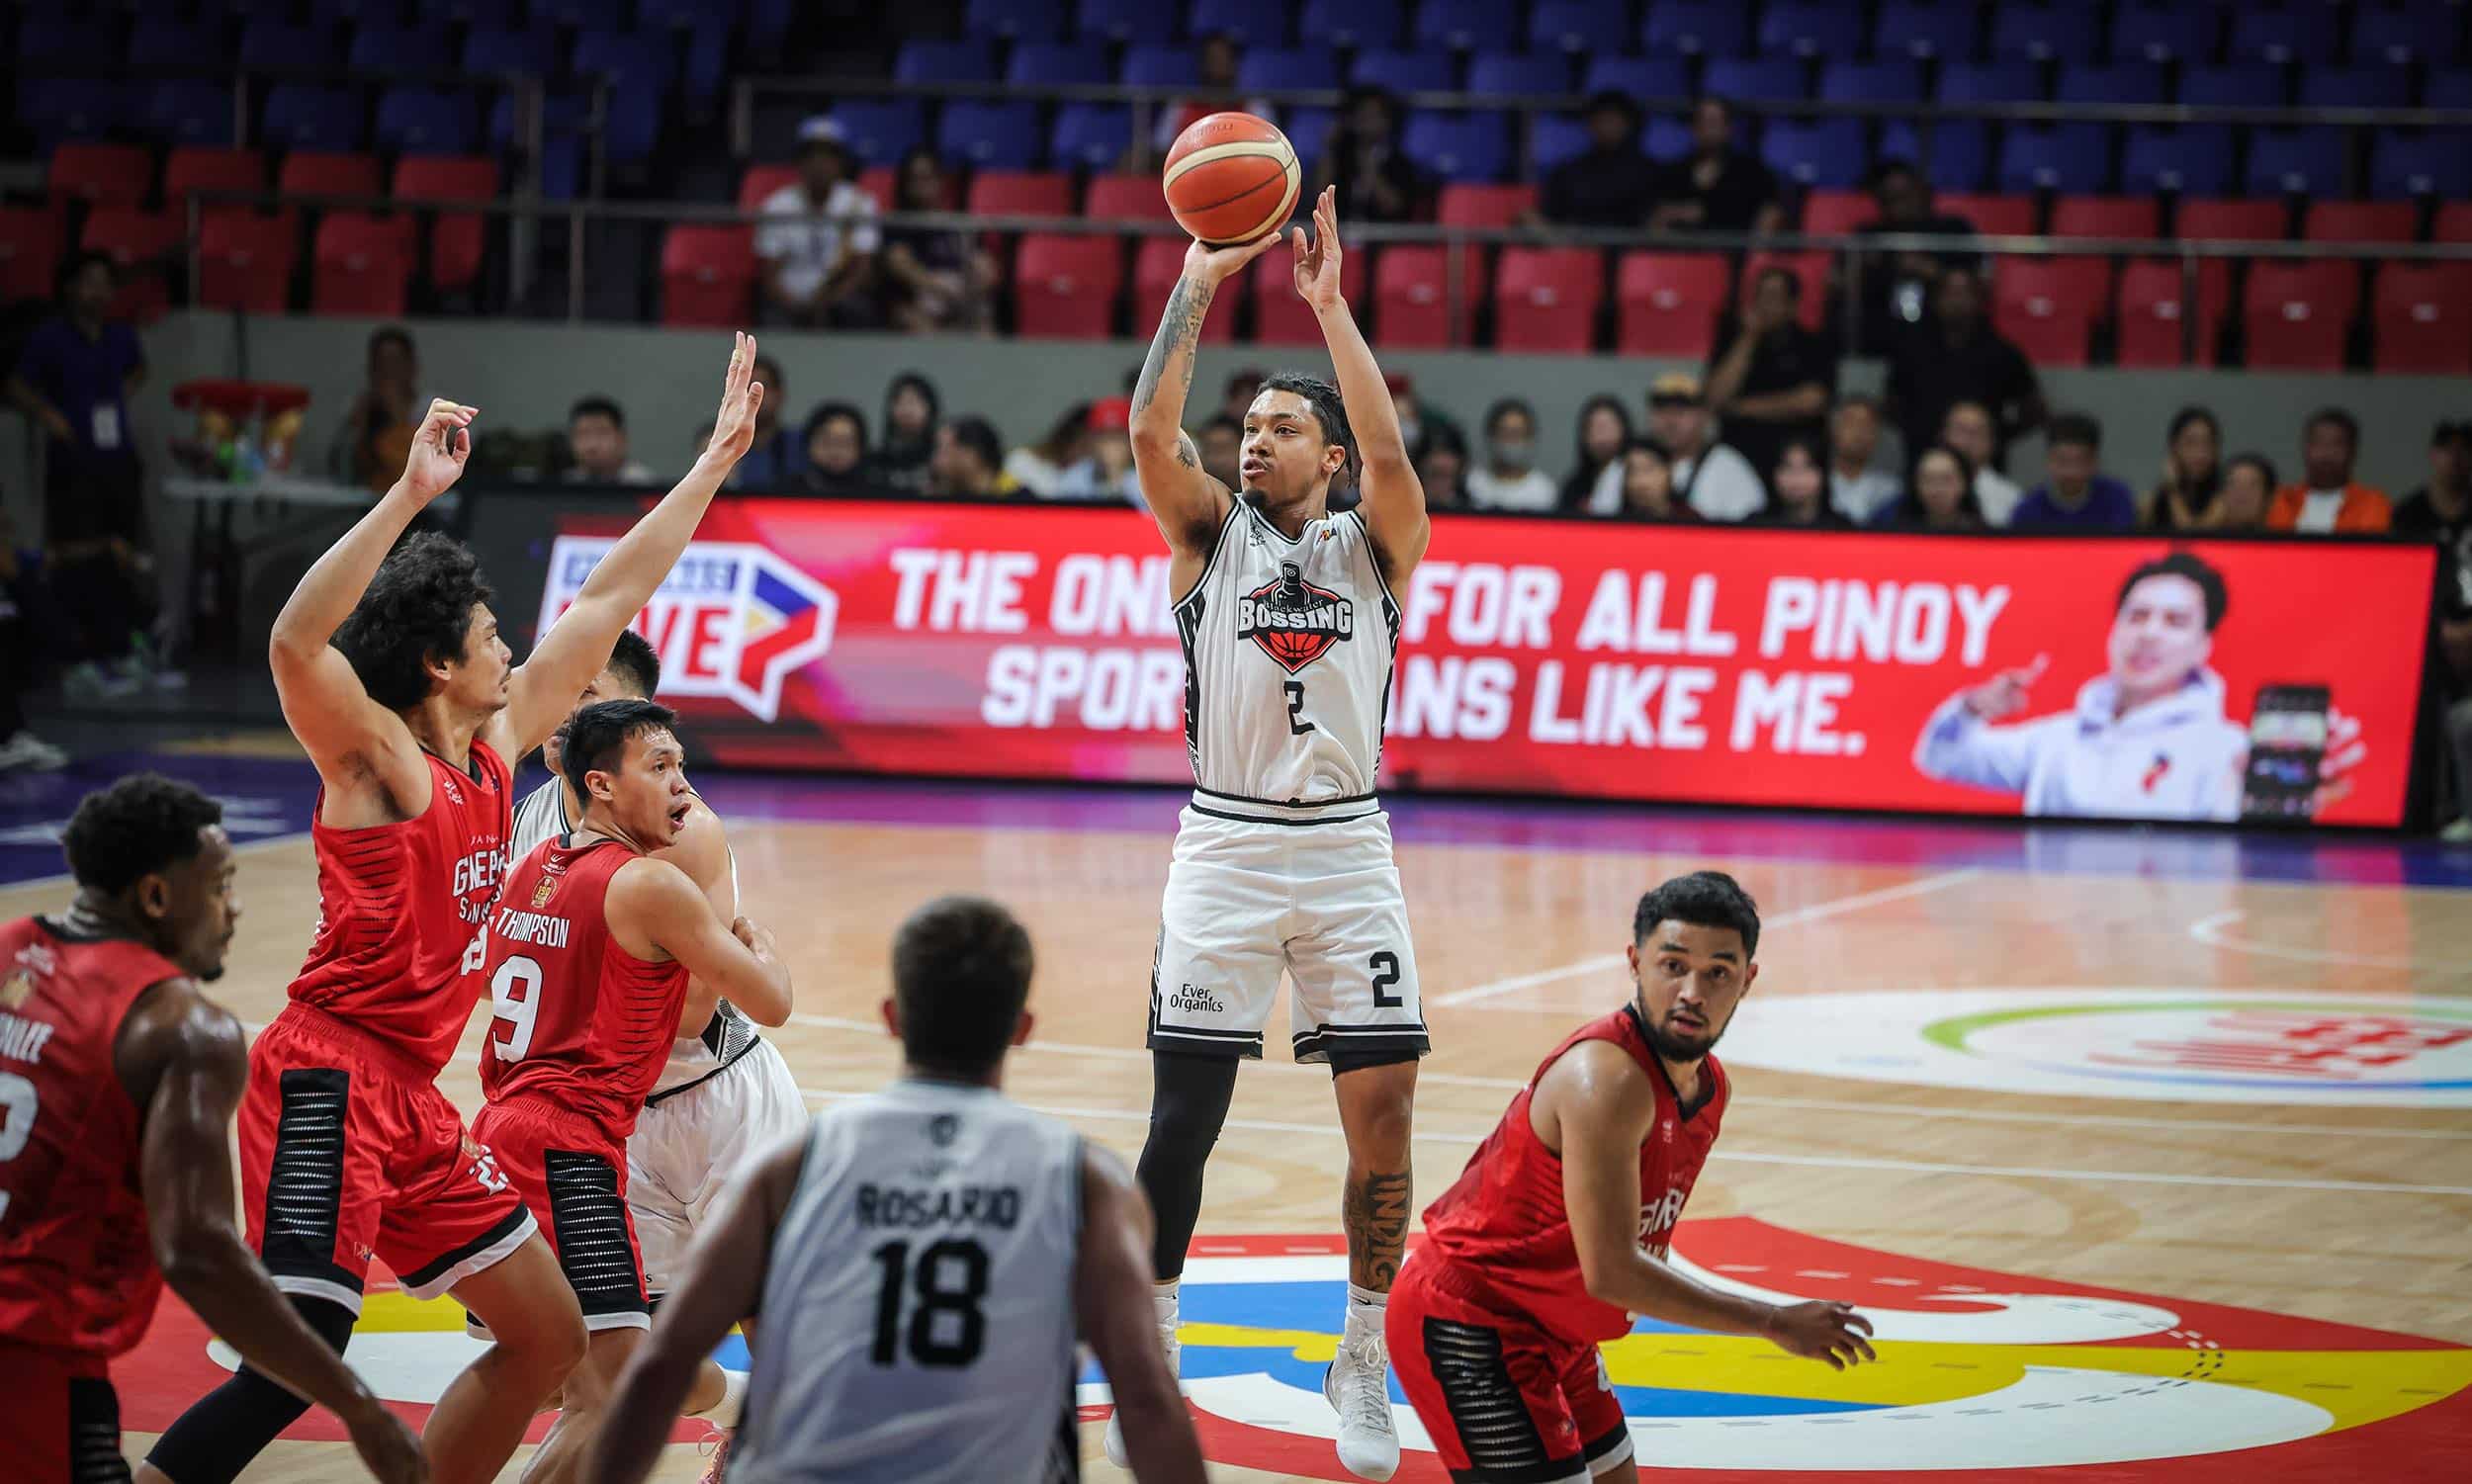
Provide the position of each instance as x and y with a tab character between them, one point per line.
76	1272
1504	1224
400	907
581	1024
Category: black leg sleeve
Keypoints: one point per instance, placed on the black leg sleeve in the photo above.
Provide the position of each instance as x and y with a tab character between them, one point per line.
1188	1098
228	1427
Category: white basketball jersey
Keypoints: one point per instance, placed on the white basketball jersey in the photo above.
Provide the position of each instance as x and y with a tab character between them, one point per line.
1288	647
916	1322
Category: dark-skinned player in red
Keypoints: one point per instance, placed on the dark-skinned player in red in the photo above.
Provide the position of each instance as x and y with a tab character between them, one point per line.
590	952
393	677
1556	1234
117	1079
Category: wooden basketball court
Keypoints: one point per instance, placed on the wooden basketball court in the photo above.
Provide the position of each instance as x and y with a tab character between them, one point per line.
2054	1204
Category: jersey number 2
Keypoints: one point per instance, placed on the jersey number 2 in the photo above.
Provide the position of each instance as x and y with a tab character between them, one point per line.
515	990
1298	726
955	1343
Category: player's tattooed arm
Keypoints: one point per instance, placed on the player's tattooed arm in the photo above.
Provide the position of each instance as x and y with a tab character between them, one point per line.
1375	1212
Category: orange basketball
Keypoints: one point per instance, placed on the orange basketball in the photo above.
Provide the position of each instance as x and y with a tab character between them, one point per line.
1231	177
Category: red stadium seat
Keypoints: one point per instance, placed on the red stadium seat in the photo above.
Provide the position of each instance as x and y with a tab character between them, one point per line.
1546	298
760	181
312	172
707	275
29	252
2360	221
2106	216
2153	314
1992	216
1484	207
1065	287
100	174
2423	317
2049	306
1125	198
2238	220
1809	267
457	240
360	264
1833	213
1281	316
245	260
1157	264
1666	304
197	167
2297	313
2454	223
878	183
1021	193
143	244
1412	300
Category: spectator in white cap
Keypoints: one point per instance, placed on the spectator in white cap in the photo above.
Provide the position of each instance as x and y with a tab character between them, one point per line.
819	239
1710	477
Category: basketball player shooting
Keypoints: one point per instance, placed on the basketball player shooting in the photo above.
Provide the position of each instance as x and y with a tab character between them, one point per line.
1283	859
1557	1232
391	673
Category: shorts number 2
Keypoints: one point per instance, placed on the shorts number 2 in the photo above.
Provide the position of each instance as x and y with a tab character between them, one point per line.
1385	967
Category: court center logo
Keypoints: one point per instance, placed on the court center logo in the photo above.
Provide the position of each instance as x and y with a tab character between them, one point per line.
1294	622
2165	1044
732	620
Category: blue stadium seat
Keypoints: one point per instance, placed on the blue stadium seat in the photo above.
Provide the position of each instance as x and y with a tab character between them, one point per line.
2232	85
48	40
427	121
1816	153
1669	138
272	44
1959	156
2424	33
2447	87
1639	76
2368	85
1406	71
1754	77
1463	25
659	14
1696	28
1894	81
1555	138
60	109
303	115
185	112
1348	23
161	41
1308	129
1990	82
2192	159
576	13
767	23
2421	162
1015	20
1541	72
1250	22
2042	32
1810	29
1160	66
530	51
1285	68
1146	21
2074	159
880	131
988	135
1059	63
1942	29
1596	27
642	70
2295	161
2294	34
1471	147
2111	82
565	116
1091	135
972	61
408	47
2163	33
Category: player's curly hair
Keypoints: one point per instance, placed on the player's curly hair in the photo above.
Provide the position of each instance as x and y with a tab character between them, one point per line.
1328	410
961	973
1702	899
142	824
418	608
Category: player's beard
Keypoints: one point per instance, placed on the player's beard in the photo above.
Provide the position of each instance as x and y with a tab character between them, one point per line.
1674	1045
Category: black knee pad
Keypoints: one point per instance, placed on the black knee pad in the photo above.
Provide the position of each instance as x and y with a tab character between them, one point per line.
1188	1099
225	1429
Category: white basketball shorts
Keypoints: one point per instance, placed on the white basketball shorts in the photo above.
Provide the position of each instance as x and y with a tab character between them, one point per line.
690	1145
1317	898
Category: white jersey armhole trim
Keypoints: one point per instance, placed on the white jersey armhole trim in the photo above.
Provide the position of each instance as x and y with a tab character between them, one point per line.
1373	560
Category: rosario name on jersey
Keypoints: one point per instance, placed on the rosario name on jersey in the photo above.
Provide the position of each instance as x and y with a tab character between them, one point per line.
1288	650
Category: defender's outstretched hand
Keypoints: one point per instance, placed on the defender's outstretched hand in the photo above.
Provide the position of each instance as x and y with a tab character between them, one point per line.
734	426
439	449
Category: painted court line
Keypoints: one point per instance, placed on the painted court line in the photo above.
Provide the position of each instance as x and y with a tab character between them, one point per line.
1817	911
2210	931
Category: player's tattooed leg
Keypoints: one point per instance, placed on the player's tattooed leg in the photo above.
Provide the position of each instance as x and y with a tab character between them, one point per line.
1374	1213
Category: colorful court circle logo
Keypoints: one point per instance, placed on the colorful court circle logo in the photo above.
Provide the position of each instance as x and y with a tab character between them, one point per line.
2165	1044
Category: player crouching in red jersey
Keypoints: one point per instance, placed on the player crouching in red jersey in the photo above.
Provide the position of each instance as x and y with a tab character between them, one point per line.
118	1080
1558	1231
590	949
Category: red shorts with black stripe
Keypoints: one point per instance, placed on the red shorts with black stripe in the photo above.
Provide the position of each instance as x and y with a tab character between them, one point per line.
59	1418
348	1151
572	1173
1504	1402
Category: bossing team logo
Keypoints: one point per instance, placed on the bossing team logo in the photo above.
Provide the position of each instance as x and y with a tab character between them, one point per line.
1294	622
732	620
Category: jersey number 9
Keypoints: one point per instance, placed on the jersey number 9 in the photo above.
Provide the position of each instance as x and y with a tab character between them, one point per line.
515	991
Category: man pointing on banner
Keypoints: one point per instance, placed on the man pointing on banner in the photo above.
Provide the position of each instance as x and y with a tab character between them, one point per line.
2148	739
